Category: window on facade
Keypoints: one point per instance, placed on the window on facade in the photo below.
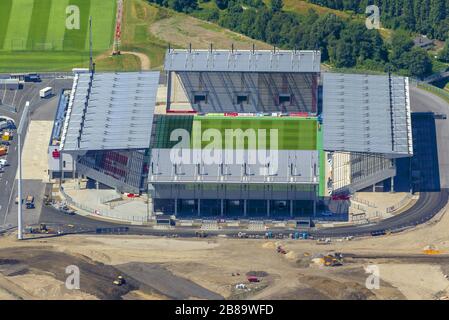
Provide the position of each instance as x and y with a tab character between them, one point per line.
199	97
284	98
242	98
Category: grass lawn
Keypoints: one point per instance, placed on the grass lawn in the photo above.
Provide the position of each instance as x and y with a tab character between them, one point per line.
293	133
138	17
34	36
42	61
303	7
123	62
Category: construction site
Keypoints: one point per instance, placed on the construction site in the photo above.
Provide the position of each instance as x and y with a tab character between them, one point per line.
415	266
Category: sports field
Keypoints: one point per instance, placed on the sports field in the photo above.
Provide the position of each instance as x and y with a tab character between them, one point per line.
31	29
293	133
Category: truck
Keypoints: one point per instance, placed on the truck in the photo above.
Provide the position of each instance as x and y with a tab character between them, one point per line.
46	92
29	202
3	151
7	136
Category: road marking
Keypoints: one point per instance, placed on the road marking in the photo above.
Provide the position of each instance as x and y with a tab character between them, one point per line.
9	202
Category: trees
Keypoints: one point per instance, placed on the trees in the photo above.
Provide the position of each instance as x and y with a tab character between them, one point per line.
178	5
400	44
423	16
344	43
444	54
276	5
222	4
418	63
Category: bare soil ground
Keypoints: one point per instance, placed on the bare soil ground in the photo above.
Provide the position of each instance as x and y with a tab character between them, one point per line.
182	30
167	268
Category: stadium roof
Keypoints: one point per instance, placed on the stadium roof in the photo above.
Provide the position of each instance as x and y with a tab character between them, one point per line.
243	60
293	166
116	114
367	113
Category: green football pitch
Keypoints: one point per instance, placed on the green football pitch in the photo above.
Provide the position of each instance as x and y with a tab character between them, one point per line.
292	133
36	30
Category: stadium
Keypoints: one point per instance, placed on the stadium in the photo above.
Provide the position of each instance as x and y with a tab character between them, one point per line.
234	134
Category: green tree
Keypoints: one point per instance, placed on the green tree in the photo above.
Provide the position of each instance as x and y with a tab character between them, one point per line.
418	63
277	5
222	4
400	44
444	54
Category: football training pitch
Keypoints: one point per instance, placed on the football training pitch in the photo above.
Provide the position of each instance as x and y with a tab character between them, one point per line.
35	35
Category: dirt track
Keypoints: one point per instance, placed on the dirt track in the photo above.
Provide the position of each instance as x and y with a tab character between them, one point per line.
145	63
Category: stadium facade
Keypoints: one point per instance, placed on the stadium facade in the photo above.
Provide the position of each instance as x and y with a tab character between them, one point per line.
237	134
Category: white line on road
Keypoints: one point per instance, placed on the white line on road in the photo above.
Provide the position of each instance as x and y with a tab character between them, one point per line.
9	202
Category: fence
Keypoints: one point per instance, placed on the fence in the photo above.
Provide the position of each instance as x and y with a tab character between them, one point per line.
400	204
365	202
443	94
102	213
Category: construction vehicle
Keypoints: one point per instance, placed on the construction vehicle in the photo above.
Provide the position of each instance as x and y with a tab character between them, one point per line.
41	229
333	260
200	234
280	249
324	241
7	136
3	151
119	281
253	279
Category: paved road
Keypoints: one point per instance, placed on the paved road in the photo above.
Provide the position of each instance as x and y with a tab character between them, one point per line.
429	204
423	101
40	109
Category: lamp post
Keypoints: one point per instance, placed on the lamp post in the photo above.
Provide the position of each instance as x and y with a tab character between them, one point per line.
20	132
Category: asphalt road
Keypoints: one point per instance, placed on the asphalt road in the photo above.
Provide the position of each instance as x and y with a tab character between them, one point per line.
40	109
423	101
429	204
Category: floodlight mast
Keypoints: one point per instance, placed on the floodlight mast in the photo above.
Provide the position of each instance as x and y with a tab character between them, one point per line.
20	132
91	58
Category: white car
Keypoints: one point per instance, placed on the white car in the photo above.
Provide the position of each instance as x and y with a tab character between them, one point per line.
3	162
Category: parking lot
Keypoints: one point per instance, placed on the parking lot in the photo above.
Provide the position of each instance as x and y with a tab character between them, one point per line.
42	114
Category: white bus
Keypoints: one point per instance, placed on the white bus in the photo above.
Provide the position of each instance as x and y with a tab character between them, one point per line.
44	93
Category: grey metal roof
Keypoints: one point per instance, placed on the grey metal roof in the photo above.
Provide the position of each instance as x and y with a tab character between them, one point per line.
243	60
294	166
361	113
116	114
